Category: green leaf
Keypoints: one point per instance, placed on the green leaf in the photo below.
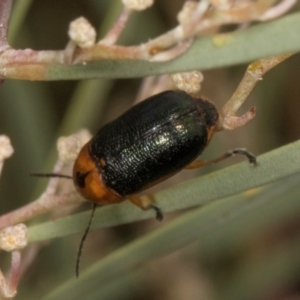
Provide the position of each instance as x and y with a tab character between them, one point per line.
199	191
262	40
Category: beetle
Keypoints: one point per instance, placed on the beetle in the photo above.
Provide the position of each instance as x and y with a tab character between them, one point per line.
149	143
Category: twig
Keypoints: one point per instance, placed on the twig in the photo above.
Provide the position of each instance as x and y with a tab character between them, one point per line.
14	271
12	239
33	65
68	149
254	74
114	33
40	206
278	10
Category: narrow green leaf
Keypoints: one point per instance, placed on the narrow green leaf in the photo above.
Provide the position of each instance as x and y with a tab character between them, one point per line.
199	191
262	40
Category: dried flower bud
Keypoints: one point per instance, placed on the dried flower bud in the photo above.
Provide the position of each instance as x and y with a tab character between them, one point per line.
189	82
6	149
13	237
82	33
184	16
68	147
84	136
137	4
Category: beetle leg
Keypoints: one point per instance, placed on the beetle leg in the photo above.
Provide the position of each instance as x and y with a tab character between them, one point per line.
200	163
146	203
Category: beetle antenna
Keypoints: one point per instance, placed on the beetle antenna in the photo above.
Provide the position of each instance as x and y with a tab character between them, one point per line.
50	175
83	239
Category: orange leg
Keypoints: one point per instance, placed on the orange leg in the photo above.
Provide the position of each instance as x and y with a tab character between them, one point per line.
200	163
145	203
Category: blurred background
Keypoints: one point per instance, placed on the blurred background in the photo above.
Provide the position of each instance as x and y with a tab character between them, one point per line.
35	114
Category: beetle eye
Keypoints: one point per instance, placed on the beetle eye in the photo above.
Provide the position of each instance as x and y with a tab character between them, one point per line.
80	179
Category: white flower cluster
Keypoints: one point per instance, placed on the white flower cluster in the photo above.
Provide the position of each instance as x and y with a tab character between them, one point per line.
137	4
13	237
82	33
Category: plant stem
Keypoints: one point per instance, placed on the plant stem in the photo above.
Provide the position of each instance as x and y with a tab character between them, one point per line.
42	205
5	9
